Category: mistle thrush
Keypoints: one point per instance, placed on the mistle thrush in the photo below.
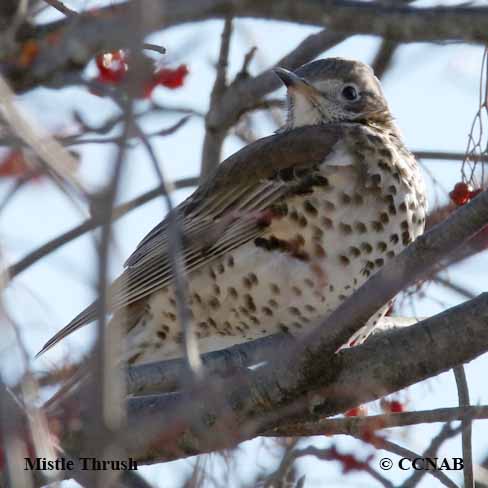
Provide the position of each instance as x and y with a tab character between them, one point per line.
285	229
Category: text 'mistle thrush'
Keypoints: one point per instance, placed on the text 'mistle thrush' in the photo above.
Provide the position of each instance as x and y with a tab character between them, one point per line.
285	229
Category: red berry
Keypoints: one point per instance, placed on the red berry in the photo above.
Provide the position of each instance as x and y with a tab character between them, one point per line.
461	193
392	406
112	67
359	411
171	78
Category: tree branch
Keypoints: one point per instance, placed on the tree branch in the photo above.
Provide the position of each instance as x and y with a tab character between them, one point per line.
169	426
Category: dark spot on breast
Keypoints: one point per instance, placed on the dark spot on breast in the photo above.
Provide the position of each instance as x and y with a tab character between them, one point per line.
404	225
279	210
358	199
310	308
244	311
377	226
402	207
170	316
346	199
379	262
381	246
394	238
249	302
302	221
267	311
360	227
310	208
392	189
319	180
214	303
296	291
329	205
354	251
366	247
294	311
384	217
273	303
406	238
345	228
134	358
320	251
253	278
162	335
376	179
293	215
232	292
275	289
344	260
284	328
383	165
327	223
317	232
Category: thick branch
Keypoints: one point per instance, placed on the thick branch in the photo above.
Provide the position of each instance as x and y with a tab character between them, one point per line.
92	33
349	378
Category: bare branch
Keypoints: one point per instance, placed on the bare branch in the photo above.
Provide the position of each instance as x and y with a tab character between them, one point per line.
463	394
384	57
260	405
215	135
61	7
91	224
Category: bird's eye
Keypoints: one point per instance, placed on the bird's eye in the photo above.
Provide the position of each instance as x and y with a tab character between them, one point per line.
349	92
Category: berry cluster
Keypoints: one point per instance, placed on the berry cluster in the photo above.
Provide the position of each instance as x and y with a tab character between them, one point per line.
113	66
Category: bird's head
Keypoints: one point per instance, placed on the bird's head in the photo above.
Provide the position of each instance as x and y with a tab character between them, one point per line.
334	90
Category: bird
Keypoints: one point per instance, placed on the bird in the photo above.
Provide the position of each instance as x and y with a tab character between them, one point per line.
282	231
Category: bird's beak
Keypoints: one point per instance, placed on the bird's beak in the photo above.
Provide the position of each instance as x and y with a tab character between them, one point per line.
293	82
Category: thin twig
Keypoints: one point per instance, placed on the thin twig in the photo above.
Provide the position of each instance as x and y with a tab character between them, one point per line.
215	135
409	454
90	224
456	287
447	432
177	267
384	57
463	395
61	7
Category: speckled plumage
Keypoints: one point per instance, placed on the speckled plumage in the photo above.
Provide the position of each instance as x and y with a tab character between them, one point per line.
285	229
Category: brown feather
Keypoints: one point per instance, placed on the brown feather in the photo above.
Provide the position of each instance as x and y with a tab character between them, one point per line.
222	213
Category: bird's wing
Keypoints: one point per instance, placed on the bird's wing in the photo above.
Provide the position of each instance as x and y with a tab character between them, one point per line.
226	211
